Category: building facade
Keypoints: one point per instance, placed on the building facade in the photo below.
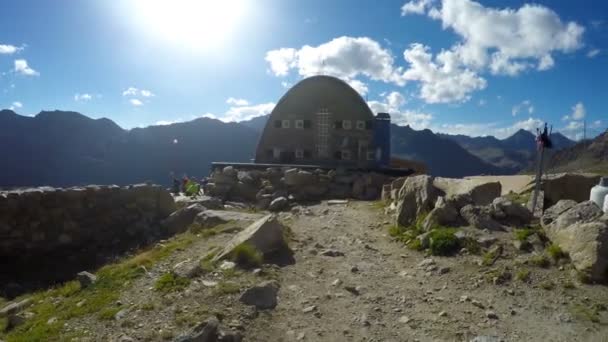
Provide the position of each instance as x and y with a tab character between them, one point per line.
323	121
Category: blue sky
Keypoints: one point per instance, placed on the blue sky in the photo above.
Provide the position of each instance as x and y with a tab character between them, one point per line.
454	66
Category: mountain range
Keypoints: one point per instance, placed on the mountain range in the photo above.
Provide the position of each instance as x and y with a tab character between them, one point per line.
588	155
60	148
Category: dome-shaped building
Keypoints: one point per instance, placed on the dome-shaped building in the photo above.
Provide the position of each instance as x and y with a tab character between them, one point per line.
323	121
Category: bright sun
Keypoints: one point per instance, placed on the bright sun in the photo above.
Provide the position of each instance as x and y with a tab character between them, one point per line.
193	24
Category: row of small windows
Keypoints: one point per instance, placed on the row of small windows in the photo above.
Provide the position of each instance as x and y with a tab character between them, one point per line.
307	154
340	124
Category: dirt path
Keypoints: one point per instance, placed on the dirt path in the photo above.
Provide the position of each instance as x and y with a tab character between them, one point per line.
399	301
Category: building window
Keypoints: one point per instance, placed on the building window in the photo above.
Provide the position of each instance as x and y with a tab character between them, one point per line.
345	155
307	124
338	124
346	124
369	124
285	124
299	153
360	125
299	124
307	154
277	124
371	155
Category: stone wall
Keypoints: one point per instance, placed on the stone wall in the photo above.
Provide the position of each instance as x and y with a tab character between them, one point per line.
41	220
264	186
47	235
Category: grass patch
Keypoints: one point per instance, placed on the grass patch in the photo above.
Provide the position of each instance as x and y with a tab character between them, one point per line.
540	260
583	277
443	241
489	257
227	287
498	276
585	313
523	234
519	198
547	285
60	301
109	313
568	284
555	252
169	282
471	245
523	275
380	204
148	306
247	256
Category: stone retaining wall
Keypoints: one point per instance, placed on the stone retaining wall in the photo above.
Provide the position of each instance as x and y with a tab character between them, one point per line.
264	186
37	221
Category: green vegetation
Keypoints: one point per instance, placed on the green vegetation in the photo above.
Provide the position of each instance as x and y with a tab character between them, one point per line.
247	256
227	287
489	257
380	204
568	284
169	282
547	285
207	264
523	275
443	241
519	198
471	245
540	260
582	312
583	277
61	301
148	306
109	313
555	252
523	234
498	276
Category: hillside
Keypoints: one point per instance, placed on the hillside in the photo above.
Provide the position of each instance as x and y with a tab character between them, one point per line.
511	154
588	156
67	148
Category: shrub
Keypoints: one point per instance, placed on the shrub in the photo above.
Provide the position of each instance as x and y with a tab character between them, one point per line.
547	285
227	287
555	252
523	275
523	234
169	282
489	258
245	255
540	260
443	241
415	244
471	245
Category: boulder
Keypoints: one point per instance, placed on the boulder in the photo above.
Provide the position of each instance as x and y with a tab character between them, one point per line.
509	212
580	213
166	204
586	243
265	235
212	218
180	220
187	269
479	217
478	193
206	201
15	308
386	193
297	178
444	214
416	196
204	332
86	279
263	296
278	204
554	211
244	191
567	186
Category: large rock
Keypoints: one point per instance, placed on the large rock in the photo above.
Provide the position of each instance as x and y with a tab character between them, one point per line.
480	217
297	178
278	204
551	214
586	243
479	193
180	220
212	218
204	332
572	186
206	201
444	214
583	212
416	196
266	235
263	296
509	212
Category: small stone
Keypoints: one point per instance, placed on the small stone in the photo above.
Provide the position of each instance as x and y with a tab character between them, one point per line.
300	336
443	314
404	319
81	303
354	269
262	296
444	270
51	320
121	314
332	253
209	283
352	289
309	309
86	279
426	262
464	298
227	265
336	282
478	304
257	271
491	315
513	312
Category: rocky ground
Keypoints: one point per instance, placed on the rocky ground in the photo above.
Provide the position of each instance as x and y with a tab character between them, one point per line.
351	281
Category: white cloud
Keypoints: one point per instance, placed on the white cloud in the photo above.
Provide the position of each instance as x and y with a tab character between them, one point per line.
21	67
136	102
359	86
508	41
578	111
83	97
416	7
392	103
237	102
525	105
16	105
286	84
343	57
132	91
9	49
442	80
481	102
593	53
240	113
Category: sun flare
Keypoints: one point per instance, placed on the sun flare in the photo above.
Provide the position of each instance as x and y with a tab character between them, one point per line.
193	24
